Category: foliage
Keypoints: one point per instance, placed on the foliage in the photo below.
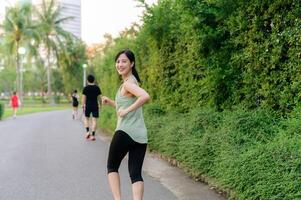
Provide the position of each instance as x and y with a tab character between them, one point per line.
222	53
71	61
49	23
35	78
266	38
18	30
39	30
7	79
107	119
1	110
247	153
18	27
52	35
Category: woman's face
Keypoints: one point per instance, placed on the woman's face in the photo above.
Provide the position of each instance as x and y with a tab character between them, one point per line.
123	65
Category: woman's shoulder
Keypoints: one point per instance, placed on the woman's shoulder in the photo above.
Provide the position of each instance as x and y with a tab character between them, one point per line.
131	80
129	83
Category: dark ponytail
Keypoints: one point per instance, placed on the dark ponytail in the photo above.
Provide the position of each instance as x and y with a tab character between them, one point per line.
131	57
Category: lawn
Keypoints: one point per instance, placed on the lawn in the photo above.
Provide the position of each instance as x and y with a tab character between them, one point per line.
8	112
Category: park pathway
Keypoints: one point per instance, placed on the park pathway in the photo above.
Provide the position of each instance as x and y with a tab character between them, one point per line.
44	156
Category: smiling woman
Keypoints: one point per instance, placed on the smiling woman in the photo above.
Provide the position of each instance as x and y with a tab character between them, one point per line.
131	134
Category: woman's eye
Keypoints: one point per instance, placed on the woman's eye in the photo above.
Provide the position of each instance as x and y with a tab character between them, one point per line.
121	61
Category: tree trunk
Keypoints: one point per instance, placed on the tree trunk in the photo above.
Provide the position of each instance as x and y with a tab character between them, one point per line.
18	80
49	91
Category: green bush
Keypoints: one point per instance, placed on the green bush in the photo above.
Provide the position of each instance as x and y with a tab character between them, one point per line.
57	99
107	119
246	153
154	109
1	110
270	171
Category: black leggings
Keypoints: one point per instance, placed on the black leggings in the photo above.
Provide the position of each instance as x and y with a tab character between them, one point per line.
120	145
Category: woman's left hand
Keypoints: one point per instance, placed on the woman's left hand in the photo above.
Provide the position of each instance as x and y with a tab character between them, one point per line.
122	112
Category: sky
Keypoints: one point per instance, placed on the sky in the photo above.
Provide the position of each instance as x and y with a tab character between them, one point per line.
108	16
104	16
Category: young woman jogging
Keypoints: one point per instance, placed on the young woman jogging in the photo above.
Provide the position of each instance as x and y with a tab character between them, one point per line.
131	134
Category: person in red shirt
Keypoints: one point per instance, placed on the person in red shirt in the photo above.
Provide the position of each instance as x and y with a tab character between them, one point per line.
14	103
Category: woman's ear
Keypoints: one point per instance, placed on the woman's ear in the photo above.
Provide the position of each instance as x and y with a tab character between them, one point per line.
132	64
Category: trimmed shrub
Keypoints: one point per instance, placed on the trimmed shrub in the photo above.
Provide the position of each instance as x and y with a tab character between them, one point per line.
270	171
246	153
108	118
1	110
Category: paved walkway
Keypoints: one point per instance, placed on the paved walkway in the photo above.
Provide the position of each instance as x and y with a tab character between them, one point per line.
44	156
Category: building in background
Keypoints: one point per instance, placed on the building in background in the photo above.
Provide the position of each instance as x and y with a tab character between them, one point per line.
72	8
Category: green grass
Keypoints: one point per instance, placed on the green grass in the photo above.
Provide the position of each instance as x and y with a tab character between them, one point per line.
8	112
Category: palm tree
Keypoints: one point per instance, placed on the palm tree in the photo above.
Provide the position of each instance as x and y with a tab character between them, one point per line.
18	31
52	35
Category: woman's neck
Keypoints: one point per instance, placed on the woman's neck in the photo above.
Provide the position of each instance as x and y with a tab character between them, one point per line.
126	77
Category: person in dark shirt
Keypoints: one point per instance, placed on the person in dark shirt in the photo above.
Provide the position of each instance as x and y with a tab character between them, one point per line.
91	101
74	97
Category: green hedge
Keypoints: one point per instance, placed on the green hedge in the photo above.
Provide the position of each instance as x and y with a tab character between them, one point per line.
218	53
222	53
1	110
248	154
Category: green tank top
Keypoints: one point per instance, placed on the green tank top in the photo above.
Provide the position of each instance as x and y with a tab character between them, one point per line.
133	123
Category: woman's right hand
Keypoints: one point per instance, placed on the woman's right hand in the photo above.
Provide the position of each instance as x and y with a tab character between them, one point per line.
105	100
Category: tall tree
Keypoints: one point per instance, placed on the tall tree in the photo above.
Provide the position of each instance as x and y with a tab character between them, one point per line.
52	35
18	31
71	62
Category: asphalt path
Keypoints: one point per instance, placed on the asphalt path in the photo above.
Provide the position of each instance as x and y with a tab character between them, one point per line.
44	156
